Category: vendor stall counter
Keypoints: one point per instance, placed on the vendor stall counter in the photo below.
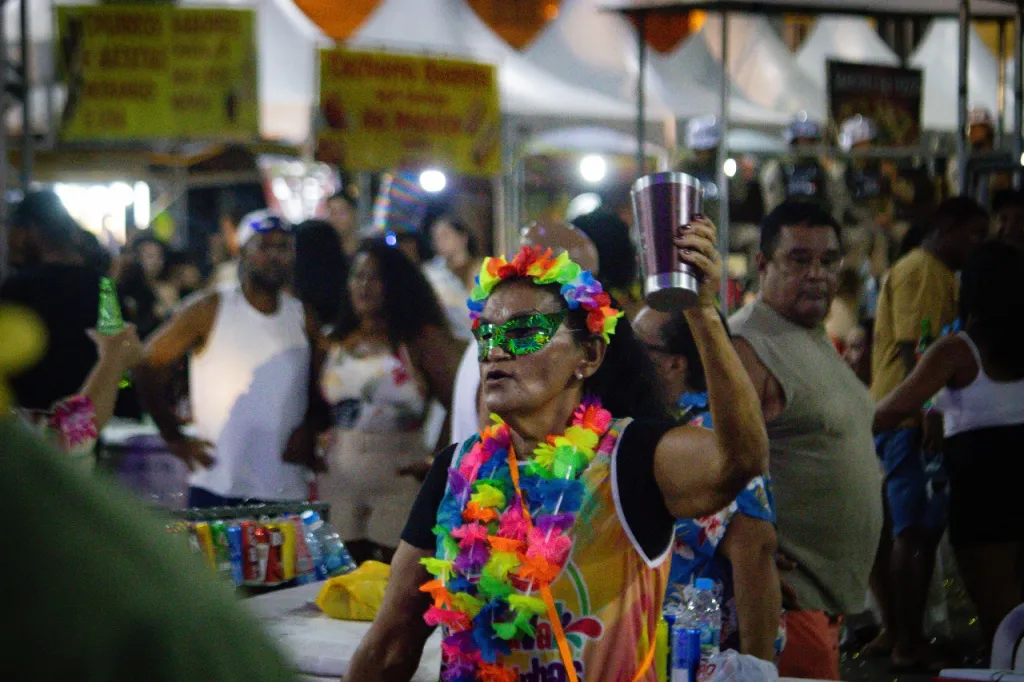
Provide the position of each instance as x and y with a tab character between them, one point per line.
320	646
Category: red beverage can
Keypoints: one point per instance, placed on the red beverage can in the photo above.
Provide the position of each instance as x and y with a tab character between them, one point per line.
274	574
251	573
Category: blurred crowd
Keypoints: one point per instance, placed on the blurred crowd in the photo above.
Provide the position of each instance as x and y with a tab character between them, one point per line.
878	322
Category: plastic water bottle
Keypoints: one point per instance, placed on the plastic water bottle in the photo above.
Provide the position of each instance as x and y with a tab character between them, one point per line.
330	557
684	646
704	613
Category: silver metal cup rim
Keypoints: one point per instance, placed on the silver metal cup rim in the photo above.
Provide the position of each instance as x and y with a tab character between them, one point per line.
667	177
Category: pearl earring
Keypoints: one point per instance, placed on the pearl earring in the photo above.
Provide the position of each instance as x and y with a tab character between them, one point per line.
579	374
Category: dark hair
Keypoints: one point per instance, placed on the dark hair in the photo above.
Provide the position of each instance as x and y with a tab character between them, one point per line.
138	300
321	272
679	340
344	196
44	213
410	303
1005	198
987	305
795	212
236	206
423	250
956	211
145	238
914	237
472	244
626	382
616	254
141	239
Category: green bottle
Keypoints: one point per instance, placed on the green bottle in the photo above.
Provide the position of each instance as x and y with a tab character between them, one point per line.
926	337
110	321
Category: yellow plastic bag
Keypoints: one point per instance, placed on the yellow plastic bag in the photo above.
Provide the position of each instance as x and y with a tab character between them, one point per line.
357	595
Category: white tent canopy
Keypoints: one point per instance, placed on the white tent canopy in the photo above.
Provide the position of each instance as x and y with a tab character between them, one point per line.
842	38
598	140
586	45
591	140
926	8
761	66
450	27
938	56
693	63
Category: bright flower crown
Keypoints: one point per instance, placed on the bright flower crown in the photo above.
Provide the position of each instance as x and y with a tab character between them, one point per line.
579	288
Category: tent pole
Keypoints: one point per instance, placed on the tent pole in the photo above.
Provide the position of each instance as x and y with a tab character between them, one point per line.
1018	88
4	165
723	155
506	236
1001	87
641	84
26	104
962	148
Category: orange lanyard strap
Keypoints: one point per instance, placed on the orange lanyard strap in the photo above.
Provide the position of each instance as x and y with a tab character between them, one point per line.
545	591
549	600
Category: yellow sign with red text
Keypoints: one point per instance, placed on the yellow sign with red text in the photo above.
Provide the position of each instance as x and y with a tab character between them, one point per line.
383	111
143	72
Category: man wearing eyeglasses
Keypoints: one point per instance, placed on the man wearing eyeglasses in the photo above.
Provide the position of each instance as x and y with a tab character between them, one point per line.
250	370
824	472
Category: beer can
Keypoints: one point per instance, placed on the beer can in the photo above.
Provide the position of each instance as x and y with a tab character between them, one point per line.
262	537
287	529
273	573
206	543
235	554
221	552
685	654
250	554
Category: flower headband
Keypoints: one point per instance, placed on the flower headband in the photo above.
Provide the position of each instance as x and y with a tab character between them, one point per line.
579	288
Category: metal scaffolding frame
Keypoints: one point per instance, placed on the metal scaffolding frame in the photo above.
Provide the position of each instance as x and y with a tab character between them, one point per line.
15	92
965	10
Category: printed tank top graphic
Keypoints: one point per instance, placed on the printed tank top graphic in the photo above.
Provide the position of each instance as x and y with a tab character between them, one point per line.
608	600
376	393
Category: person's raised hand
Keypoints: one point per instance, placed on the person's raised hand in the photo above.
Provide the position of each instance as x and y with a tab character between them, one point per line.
697	243
124	347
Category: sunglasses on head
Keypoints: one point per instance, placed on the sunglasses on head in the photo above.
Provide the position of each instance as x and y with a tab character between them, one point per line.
521	335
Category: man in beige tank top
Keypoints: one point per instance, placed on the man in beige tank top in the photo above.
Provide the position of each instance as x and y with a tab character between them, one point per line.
823	467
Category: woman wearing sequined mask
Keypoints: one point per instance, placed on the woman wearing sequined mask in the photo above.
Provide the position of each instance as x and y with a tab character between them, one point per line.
540	545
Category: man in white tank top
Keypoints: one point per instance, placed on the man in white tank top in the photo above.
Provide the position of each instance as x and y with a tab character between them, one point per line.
250	369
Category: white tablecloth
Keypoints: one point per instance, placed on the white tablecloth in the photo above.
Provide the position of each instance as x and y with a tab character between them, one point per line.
321	647
318	645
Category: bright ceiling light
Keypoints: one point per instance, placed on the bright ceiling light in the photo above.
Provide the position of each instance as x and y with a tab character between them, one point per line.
730	168
593	168
433	181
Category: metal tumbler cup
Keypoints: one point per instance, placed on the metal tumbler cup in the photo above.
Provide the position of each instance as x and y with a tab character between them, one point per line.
662	202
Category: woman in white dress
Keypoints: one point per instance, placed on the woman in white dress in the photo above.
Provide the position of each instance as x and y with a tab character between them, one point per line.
380	375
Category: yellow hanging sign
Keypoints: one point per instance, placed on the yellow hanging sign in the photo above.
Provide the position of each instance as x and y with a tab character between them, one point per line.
144	72
381	111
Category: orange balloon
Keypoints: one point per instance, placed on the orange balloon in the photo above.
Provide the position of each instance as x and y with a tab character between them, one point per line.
339	20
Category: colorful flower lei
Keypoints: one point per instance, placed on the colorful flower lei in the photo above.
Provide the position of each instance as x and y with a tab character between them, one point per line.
496	547
579	288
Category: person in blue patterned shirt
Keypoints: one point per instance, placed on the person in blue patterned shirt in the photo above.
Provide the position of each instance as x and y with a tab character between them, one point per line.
736	546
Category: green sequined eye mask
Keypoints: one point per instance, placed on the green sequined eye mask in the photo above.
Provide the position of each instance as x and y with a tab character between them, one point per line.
519	336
